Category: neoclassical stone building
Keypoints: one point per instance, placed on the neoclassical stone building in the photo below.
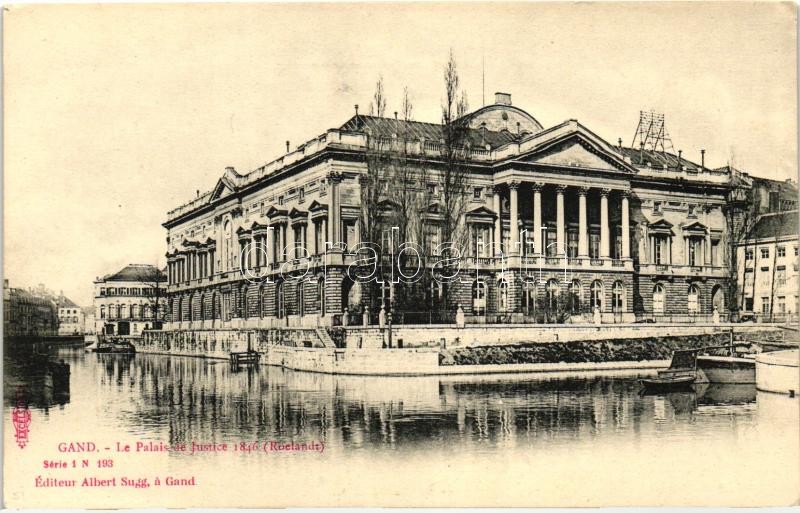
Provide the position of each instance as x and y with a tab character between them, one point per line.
624	233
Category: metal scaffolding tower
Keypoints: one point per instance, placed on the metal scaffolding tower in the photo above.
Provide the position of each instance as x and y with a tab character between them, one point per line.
651	134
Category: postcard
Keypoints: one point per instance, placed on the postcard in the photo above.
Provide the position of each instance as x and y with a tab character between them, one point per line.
400	255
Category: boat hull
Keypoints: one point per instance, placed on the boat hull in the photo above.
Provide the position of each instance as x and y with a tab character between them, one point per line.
726	370
779	372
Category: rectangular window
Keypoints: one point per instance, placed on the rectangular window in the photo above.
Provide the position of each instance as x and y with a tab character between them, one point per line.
572	244
301	195
594	245
780	304
695	252
431	189
280	200
764	252
748	254
477	192
657	207
550	243
748	304
765	305
658	256
780	276
781	251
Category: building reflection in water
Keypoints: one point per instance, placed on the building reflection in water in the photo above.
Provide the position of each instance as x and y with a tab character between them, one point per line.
203	400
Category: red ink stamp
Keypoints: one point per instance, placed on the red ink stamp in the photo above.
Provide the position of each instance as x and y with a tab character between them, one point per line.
21	417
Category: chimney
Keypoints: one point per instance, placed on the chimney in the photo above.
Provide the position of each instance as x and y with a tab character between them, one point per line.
395	115
502	98
230	169
702	159
356	109
287	146
641	152
680	152
619	142
483	133
518	128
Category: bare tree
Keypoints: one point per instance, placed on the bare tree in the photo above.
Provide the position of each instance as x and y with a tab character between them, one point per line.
155	293
454	175
740	218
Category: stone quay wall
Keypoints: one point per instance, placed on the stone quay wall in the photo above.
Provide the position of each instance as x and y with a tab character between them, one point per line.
372	337
220	343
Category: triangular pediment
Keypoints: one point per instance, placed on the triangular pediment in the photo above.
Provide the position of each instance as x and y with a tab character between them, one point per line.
222	189
661	226
482	211
572	145
574	152
696	226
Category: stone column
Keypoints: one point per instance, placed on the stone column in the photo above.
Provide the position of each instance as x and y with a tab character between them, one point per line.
583	226
537	219
626	232
324	230
498	223
270	245
514	218
708	248
334	212
560	238
604	232
312	243
290	250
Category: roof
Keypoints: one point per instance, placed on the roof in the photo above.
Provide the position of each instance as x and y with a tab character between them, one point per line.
657	159
136	272
387	127
65	302
781	224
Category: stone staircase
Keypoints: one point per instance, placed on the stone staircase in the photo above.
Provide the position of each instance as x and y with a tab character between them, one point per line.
325	338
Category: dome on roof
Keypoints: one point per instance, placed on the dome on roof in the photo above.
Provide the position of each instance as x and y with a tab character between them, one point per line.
503	116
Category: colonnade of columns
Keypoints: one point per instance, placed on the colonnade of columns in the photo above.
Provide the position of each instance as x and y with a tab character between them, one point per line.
197	263
583	226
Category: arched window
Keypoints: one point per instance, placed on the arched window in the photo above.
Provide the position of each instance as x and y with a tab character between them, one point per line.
201	311
134	311
693	300
575	295
718	298
147	311
227	245
123	311
618	297
301	307
596	295
502	295
658	299
434	295
191	308
280	301
321	295
479	297
551	294
529	296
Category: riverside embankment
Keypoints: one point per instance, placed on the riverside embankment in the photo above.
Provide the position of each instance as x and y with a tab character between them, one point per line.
314	350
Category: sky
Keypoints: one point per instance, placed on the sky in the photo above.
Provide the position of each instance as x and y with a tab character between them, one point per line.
115	114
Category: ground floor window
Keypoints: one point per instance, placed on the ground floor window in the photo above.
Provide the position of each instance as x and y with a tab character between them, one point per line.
575	295
765	305
502	295
551	295
618	297
479	297
780	305
693	300
596	298
529	296
280	301
658	299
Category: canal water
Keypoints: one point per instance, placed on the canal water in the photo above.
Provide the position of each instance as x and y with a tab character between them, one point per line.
536	439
